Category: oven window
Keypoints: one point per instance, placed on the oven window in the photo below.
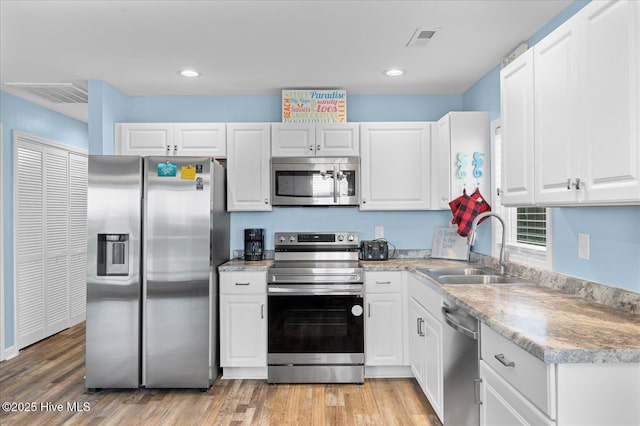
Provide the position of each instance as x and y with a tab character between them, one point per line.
315	324
305	184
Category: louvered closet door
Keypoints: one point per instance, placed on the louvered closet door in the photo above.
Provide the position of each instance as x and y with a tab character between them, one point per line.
77	238
56	206
29	254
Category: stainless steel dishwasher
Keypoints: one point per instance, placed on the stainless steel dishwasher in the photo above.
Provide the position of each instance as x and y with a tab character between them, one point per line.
460	356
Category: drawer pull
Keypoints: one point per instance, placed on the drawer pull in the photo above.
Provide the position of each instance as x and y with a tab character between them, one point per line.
504	361
383	282
243	283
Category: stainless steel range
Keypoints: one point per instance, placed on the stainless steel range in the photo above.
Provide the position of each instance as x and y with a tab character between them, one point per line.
315	309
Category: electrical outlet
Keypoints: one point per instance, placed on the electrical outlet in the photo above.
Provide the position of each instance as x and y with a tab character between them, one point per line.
379	231
583	246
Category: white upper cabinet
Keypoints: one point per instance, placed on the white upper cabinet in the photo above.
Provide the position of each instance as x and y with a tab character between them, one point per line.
171	139
338	140
611	119
461	156
144	139
585	77
293	140
557	114
200	139
395	163
310	140
248	167
516	101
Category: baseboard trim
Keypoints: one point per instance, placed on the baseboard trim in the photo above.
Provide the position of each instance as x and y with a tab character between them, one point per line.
11	352
387	372
258	373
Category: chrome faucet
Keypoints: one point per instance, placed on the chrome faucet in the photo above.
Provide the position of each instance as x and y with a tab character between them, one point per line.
473	235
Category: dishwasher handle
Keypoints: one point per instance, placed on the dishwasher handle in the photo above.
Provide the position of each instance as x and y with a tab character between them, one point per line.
446	313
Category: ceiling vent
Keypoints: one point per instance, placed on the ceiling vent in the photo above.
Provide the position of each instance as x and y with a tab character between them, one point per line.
420	38
58	93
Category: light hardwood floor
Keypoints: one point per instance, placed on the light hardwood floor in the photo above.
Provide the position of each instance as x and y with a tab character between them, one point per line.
51	372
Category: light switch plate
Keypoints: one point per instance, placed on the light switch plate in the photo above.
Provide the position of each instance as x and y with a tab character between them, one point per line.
379	231
583	246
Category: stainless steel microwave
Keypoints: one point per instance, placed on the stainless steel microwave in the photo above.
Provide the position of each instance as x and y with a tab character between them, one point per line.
315	181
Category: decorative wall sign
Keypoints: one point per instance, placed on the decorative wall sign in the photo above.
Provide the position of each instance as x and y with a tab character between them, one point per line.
314	106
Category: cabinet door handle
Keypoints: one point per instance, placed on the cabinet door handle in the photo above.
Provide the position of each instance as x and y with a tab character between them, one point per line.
420	322
478	397
247	283
576	184
266	201
369	308
310	147
504	361
262	311
168	149
175	149
318	147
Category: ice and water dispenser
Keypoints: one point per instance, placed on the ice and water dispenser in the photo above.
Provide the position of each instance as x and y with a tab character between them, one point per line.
113	254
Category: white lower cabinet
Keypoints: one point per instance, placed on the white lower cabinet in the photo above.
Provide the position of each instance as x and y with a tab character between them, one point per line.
243	324
384	320
502	405
425	341
520	389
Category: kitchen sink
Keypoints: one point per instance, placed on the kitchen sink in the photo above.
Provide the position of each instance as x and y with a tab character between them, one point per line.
459	271
480	279
471	275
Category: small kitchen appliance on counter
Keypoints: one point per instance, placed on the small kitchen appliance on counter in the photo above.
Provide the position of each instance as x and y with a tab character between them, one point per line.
374	250
253	244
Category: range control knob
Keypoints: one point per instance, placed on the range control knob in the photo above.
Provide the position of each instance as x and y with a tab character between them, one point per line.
340	237
292	238
351	237
281	238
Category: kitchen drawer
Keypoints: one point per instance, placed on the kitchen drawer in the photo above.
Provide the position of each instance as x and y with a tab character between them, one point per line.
243	282
503	405
534	379
427	297
383	282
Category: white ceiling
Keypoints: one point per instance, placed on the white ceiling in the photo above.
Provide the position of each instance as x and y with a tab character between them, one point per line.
260	46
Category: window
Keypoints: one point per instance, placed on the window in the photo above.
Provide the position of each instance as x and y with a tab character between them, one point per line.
528	228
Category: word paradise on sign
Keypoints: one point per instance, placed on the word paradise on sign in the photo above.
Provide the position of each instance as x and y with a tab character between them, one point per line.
314	106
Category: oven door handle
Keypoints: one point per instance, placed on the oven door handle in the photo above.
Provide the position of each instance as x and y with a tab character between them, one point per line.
315	290
315	278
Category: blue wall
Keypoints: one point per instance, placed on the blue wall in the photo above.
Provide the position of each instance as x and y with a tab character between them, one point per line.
614	231
18	114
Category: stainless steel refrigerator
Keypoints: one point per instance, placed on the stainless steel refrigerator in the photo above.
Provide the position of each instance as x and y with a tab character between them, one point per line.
158	230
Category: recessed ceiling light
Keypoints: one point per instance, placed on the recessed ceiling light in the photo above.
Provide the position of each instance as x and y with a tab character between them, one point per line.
394	72
189	73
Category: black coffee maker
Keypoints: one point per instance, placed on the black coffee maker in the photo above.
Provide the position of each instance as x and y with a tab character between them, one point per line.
254	244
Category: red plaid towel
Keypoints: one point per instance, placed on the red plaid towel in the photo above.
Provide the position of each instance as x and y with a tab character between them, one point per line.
455	204
470	207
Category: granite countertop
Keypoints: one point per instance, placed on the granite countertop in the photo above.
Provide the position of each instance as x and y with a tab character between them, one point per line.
236	265
554	326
